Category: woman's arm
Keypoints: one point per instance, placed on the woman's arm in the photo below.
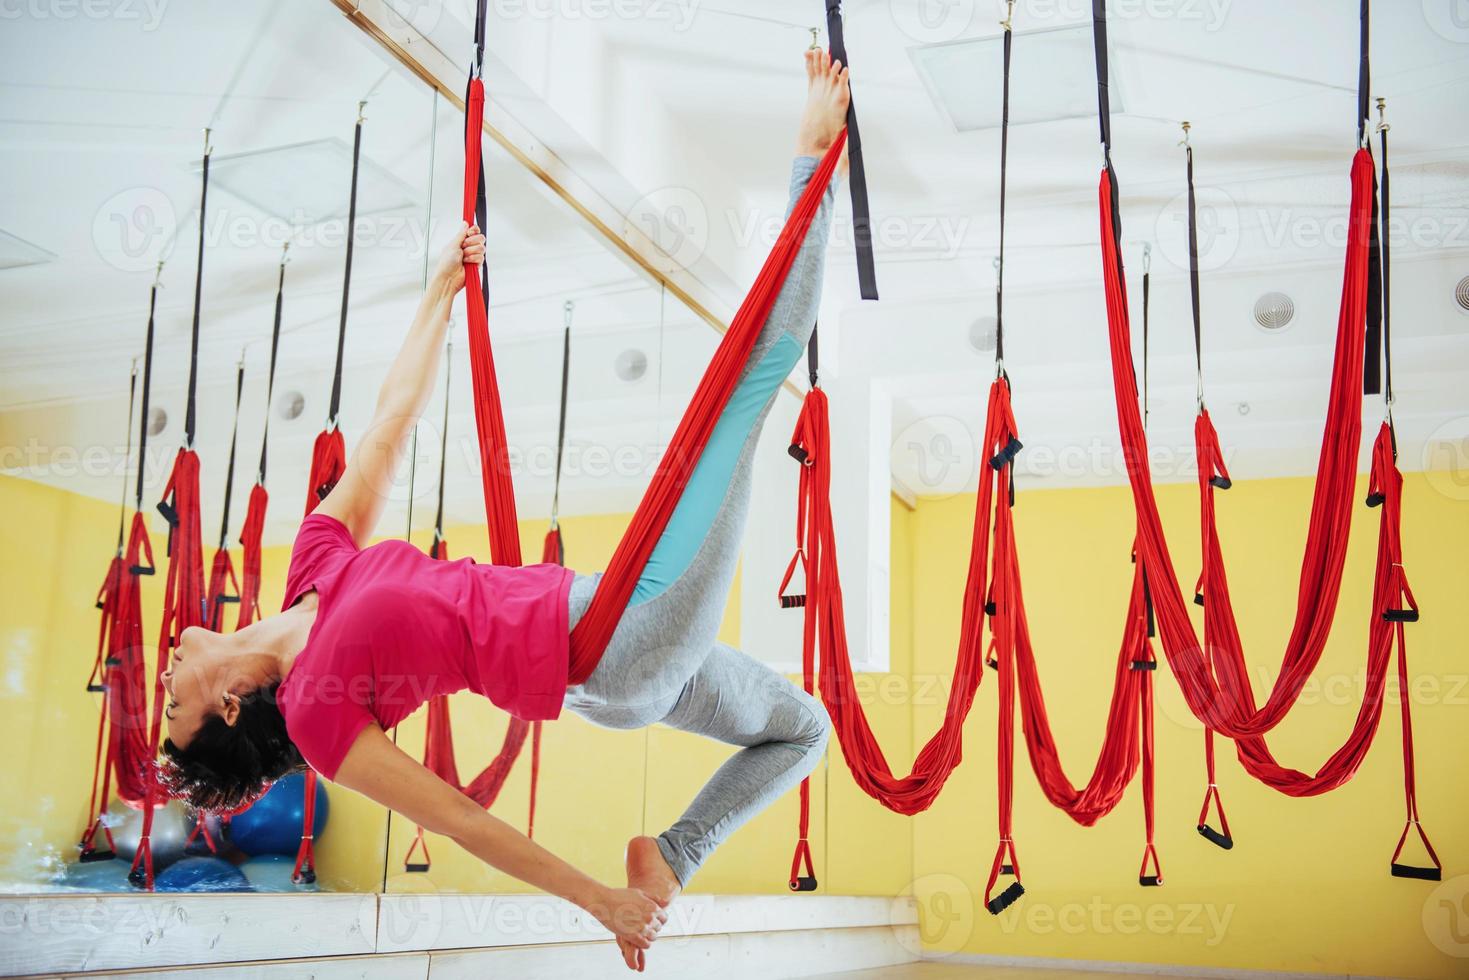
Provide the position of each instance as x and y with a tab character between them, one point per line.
378	769
359	498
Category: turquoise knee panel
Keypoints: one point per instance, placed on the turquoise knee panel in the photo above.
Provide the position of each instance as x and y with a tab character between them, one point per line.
702	498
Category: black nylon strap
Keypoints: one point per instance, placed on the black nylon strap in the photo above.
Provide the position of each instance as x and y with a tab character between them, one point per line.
1372	359
444	442
813	357
275	343
1386	278
1104	100
189	413
1004	173
147	389
346	274
1193	269
1147	288
229	472
122	516
857	173
561	422
480	11
1364	73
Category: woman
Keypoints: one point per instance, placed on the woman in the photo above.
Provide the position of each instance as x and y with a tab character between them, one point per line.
368	634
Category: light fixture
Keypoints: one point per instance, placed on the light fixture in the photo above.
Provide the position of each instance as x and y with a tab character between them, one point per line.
1055	75
17	253
1274	312
157	420
289	405
631	365
982	334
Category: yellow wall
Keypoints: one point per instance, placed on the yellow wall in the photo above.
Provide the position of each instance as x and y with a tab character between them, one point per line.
1306	887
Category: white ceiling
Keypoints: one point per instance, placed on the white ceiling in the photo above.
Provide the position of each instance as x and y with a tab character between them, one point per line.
687	110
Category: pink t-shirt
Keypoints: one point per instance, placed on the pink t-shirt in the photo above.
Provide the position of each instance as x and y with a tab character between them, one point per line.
394	627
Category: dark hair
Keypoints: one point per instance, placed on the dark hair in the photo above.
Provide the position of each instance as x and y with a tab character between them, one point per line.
226	767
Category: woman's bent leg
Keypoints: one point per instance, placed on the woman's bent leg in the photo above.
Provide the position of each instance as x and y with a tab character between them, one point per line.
783	731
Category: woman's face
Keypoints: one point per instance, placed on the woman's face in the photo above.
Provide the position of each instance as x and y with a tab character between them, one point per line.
199	682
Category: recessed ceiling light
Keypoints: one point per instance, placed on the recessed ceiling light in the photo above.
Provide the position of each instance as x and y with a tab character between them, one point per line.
631	364
305	184
157	420
982	333
1274	312
1055	73
1461	295
289	405
17	253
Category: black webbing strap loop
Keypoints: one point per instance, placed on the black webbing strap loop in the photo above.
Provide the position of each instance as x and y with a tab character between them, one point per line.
1147	290
1193	266
443	447
1004	174
336	402
479	36
1364	72
1104	99
147	389
275	343
857	172
561	420
1413	871
189	413
1385	226
229	470
813	359
122	513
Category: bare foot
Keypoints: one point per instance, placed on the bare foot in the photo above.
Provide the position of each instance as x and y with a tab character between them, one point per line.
648	872
827	96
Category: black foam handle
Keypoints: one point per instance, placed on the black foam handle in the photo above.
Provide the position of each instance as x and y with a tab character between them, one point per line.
1005	899
792	601
96	688
1007	869
805	883
142	569
1215	837
306	877
137	877
1145	665
797	453
1375	499
1007	455
1198	598
989	608
1412	871
1220	482
112	662
415	868
992	664
100	604
227	598
90	857
1150	881
169	513
1400	615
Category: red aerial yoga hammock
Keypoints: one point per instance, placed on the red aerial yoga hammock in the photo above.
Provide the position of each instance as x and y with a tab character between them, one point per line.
438	743
328	463
121	752
222	580
183	598
254	526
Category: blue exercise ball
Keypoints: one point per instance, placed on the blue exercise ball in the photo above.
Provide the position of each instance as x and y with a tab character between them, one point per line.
95	876
201	874
272	825
272	873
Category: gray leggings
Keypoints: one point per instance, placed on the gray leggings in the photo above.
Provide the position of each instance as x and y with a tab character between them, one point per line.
663	664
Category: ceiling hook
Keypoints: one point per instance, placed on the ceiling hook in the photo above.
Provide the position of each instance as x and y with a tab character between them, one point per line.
1382	125
815	39
1009	14
285	252
566	310
1186	127
158	275
207	148
360	106
1147	257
